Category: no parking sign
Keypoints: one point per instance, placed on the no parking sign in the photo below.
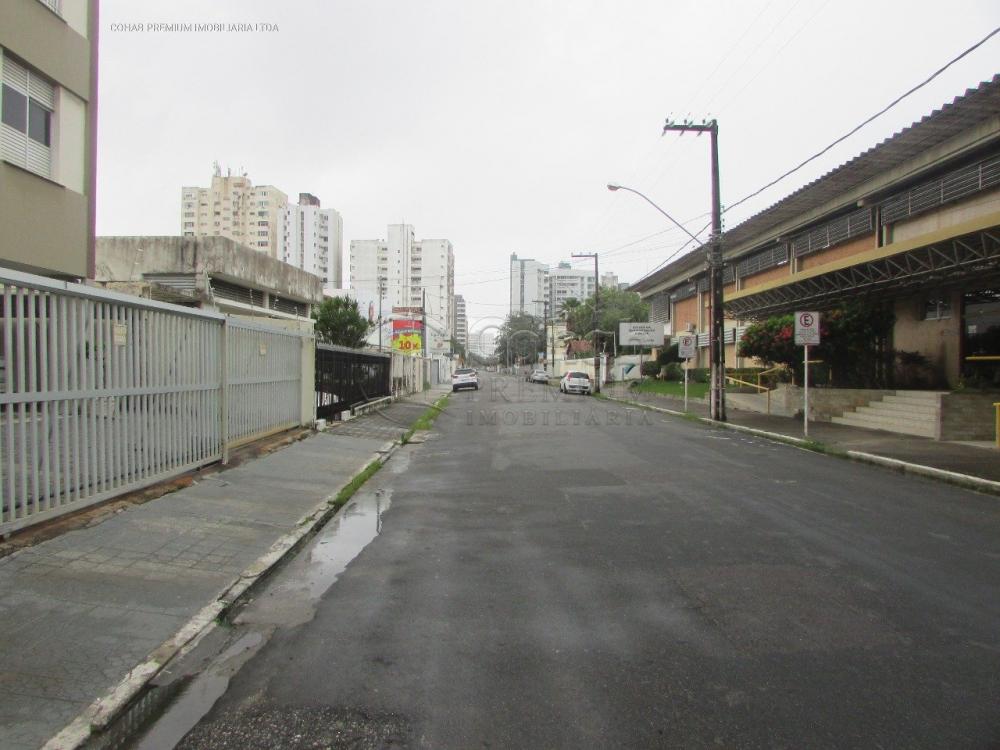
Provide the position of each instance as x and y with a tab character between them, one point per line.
807	329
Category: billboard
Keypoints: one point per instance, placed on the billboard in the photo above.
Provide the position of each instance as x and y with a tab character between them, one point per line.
640	334
407	336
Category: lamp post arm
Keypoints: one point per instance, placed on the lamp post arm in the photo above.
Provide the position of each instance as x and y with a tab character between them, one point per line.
672	219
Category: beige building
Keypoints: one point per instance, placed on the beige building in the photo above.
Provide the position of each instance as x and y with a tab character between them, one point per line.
234	207
48	65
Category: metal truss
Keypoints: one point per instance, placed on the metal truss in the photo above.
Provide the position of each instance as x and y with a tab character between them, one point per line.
972	256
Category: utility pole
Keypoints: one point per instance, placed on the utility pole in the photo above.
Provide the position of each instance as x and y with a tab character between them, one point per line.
597	301
423	322
381	293
716	340
550	320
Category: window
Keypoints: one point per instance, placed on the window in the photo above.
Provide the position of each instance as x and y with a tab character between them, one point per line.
27	102
937	307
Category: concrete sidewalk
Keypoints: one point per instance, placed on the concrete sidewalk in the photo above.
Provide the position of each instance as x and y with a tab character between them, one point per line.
914	454
88	616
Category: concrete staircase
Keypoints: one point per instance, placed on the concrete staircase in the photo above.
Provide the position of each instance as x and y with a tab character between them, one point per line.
906	412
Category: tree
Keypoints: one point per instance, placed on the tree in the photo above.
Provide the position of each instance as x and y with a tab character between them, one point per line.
615	306
853	344
526	335
338	321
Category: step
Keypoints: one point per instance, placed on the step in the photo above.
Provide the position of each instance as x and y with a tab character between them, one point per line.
928	409
923	397
902	416
888	425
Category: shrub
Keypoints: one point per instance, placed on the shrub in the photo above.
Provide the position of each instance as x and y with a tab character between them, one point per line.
673	371
650	369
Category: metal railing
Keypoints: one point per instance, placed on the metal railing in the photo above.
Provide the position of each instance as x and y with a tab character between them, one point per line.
102	393
345	377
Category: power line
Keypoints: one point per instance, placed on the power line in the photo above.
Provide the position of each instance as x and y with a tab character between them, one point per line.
878	114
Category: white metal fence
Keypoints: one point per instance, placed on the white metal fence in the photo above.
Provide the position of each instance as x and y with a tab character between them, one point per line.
102	393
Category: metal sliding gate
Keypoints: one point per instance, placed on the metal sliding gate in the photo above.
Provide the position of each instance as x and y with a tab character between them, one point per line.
102	393
345	377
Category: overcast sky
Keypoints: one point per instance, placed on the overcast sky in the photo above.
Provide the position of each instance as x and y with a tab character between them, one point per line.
497	123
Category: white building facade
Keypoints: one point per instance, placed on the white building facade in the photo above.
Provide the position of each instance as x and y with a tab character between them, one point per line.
528	284
403	272
565	282
233	207
460	327
312	239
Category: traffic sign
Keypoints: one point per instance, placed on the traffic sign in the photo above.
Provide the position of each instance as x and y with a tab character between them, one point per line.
686	346
806	328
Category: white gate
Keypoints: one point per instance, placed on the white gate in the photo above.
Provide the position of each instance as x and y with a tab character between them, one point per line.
103	393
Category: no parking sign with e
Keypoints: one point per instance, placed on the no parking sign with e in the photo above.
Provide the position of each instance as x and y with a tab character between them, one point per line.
807	328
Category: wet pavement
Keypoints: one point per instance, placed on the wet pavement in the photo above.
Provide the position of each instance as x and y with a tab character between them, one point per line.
980	460
565	572
80	611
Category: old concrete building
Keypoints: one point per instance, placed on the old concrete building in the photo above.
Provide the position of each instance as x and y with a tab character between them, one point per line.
212	272
48	63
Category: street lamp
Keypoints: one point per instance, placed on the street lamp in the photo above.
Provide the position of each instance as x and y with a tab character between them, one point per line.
716	350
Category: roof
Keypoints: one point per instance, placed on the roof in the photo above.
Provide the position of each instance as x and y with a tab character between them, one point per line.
964	112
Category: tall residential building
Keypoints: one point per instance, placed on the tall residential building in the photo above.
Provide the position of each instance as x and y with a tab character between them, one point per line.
48	135
565	282
527	286
404	269
610	279
311	238
233	207
460	328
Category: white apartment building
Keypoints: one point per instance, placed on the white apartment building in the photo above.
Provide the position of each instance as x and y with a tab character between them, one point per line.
527	286
402	270
311	238
565	282
460	327
235	208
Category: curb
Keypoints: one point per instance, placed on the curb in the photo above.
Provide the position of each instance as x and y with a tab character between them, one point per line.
966	481
103	711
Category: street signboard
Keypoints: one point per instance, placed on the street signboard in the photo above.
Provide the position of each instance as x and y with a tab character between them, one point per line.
687	346
640	334
807	329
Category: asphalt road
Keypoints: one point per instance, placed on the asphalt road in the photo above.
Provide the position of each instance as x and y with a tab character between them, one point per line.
560	572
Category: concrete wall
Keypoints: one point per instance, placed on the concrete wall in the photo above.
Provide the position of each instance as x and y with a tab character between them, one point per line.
845	250
824	403
120	259
968	416
938	340
44	225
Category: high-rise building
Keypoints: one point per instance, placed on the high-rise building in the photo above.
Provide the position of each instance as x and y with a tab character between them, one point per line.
234	207
527	286
610	279
405	273
48	135
311	238
460	328
565	282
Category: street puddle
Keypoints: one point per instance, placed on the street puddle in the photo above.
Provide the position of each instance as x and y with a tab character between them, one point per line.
197	698
291	599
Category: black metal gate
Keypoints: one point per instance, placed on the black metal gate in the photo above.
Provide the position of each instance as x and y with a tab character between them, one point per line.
348	377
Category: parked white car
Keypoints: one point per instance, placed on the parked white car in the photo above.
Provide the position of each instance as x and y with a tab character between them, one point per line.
464	377
538	376
575	381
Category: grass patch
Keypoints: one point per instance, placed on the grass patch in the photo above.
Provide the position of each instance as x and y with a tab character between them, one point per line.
425	420
675	390
355	484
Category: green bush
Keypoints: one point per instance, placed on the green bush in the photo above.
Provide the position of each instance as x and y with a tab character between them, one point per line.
650	369
673	371
699	375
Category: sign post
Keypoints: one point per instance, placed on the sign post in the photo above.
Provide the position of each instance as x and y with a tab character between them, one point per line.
686	346
806	335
